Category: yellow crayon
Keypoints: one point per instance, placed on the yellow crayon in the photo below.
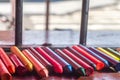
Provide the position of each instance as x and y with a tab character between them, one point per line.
108	53
113	52
22	57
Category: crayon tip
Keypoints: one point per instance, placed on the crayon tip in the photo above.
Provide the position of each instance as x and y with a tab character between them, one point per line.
100	66
43	73
68	69
58	69
81	71
6	77
117	67
107	64
29	67
11	69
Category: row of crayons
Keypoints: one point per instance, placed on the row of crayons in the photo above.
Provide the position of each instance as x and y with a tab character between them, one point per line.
77	60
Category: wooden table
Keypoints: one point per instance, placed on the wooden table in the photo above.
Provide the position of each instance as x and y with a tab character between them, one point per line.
95	76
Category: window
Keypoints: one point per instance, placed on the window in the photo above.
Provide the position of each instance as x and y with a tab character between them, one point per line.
104	23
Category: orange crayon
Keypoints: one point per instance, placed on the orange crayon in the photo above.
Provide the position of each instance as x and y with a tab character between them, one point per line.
21	56
40	69
8	63
4	74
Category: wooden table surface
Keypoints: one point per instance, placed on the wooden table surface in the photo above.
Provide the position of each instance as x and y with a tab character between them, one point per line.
95	76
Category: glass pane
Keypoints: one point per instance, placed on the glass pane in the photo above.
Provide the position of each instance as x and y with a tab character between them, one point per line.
6	23
33	22
65	22
104	23
65	16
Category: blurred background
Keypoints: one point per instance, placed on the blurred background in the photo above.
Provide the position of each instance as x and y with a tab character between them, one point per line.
65	20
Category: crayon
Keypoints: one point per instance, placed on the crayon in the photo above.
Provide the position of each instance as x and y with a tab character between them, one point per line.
95	55
108	53
21	56
57	67
67	68
8	63
19	67
99	65
4	73
89	70
42	60
117	54
78	69
81	57
40	69
115	63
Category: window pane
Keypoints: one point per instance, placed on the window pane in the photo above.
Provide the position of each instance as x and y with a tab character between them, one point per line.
65	22
33	22
6	23
104	23
65	16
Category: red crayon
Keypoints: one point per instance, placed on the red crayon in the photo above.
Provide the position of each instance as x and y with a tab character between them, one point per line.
8	63
67	68
99	65
41	59
57	67
81	57
89	69
77	69
20	68
4	74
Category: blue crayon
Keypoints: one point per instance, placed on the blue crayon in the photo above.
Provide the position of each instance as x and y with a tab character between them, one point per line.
95	55
115	63
66	66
